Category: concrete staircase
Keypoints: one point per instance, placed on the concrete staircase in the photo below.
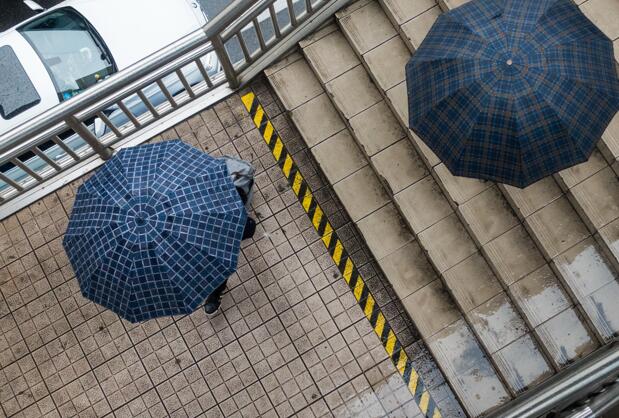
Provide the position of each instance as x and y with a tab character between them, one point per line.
491	275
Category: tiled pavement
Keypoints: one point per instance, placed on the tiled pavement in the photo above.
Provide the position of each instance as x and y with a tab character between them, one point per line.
290	338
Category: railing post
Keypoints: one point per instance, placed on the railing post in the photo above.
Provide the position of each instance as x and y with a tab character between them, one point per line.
222	55
78	127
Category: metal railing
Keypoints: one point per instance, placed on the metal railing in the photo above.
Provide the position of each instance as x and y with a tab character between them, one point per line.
134	104
585	389
604	403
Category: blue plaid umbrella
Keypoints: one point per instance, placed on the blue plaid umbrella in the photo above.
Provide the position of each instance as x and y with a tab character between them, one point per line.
155	230
512	90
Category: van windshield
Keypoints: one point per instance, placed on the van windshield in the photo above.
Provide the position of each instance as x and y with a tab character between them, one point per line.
71	50
17	93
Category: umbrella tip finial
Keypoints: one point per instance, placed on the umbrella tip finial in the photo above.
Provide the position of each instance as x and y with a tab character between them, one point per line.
509	62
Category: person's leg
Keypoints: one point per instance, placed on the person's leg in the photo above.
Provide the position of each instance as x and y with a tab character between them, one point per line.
213	301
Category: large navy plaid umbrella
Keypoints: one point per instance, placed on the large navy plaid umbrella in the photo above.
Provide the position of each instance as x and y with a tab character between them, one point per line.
155	230
512	90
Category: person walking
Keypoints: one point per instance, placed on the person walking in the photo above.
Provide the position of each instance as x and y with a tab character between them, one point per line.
213	301
147	221
242	175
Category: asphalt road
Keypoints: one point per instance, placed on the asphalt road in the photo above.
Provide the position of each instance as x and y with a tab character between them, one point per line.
14	11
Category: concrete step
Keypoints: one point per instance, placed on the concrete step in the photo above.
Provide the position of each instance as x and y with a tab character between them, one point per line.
604	14
493	316
609	145
504	243
347	166
593	190
412	20
448	5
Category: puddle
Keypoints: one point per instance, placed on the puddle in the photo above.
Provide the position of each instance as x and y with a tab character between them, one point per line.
603	304
587	271
586	267
540	295
522	364
566	338
470	372
497	322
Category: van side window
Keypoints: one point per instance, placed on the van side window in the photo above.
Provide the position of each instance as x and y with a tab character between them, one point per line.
17	93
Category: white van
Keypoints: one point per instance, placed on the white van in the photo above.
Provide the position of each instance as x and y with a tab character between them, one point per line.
62	51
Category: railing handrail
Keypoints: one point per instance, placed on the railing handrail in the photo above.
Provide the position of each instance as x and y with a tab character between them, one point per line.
566	387
117	81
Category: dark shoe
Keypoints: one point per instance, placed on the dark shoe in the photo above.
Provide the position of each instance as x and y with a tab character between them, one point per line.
212	304
213	301
250	228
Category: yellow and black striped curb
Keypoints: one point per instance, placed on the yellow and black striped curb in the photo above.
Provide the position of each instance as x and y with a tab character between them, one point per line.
341	258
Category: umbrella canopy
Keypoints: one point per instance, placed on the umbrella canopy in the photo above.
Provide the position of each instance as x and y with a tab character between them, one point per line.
155	230
512	90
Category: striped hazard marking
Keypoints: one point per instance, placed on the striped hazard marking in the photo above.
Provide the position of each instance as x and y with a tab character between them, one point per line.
341	257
